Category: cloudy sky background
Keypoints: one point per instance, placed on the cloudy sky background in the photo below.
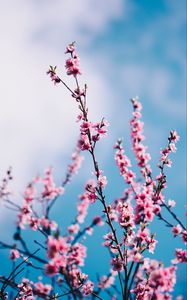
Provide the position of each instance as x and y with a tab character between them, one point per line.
127	48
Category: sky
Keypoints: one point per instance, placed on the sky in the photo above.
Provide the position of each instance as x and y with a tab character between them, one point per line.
127	48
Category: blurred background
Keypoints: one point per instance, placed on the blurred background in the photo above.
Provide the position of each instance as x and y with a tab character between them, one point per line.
127	48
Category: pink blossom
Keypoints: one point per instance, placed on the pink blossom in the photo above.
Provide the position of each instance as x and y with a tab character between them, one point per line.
152	245
106	282
136	104
181	255
174	137
72	65
137	257
171	203
82	207
52	73
125	214
63	246
123	163
156	209
102	181
100	130
56	246
172	147
91	191
78	93
52	247
14	254
144	205
75	165
77	254
42	288
44	222
89	230
109	242
80	117
34	223
51	269
176	230
85	126
53	225
144	234
84	143
117	264
24	215
97	220
74	228
29	193
87	288
184	236
70	48
60	261
50	191
129	177
77	277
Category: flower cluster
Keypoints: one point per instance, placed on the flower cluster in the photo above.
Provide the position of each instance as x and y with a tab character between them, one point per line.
52	74
137	137
72	63
123	162
90	133
154	281
74	166
181	256
49	192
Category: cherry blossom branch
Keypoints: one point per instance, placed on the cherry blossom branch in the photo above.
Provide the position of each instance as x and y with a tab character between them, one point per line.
133	277
74	70
82	232
31	255
71	170
165	161
12	274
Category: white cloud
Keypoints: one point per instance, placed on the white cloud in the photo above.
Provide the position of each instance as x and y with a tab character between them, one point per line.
156	83
65	19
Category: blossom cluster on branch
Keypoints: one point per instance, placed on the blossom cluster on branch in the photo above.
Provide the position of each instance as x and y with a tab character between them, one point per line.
59	256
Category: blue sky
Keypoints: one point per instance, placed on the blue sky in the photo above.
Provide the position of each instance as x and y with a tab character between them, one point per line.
127	48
